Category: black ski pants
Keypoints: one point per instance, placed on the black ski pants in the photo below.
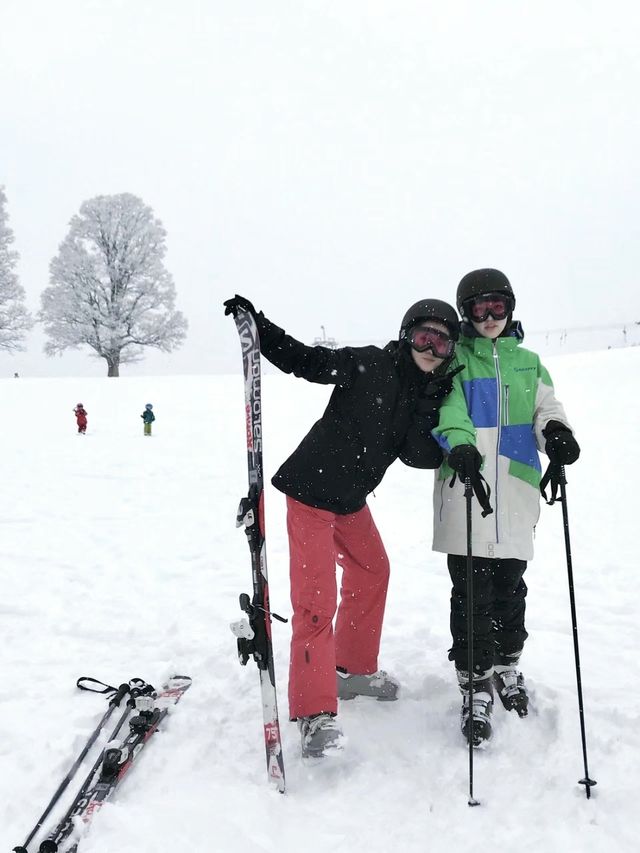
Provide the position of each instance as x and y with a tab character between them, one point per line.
499	594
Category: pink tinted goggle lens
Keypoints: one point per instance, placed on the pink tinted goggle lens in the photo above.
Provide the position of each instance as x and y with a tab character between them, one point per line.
497	305
423	338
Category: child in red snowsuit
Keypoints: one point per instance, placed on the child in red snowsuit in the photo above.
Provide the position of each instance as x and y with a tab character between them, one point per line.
81	418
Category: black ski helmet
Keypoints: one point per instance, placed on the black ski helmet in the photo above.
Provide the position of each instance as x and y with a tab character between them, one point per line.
478	282
430	309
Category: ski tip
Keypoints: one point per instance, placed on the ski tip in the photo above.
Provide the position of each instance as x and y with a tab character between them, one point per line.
175	686
179	682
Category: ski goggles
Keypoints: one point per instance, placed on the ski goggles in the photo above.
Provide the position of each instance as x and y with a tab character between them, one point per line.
423	338
498	305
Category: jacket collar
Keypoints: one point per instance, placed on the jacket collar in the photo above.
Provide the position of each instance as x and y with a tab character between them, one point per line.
485	346
512	336
512	330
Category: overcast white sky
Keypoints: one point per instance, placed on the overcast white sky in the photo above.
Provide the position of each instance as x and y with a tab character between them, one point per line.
334	161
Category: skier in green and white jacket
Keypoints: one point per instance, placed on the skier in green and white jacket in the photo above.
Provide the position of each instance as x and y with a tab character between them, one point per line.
501	411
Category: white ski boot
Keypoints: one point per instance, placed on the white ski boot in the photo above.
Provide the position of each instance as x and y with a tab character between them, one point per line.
478	729
511	689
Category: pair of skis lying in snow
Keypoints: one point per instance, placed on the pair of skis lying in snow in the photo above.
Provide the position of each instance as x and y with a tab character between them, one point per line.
145	710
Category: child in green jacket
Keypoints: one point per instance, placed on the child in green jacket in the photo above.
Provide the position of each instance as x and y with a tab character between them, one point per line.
502	410
148	418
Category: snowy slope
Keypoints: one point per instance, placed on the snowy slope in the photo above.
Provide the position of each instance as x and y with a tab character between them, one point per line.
120	558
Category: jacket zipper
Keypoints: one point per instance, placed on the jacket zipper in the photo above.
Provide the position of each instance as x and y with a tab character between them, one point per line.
506	405
496	362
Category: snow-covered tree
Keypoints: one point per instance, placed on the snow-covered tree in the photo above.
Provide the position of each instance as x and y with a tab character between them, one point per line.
108	288
15	320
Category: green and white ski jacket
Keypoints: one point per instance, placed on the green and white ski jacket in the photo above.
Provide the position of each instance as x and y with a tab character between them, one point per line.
500	402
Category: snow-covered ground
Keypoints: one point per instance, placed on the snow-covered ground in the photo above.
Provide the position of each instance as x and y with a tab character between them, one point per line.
120	558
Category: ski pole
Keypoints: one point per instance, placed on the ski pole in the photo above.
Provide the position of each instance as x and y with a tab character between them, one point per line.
468	496
562	481
136	687
117	694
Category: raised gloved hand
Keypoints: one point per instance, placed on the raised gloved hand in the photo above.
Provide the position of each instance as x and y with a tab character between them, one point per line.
439	387
561	447
238	303
466	460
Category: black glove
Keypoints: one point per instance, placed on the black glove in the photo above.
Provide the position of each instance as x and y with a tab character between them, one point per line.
439	387
561	447
432	393
238	303
427	408
465	459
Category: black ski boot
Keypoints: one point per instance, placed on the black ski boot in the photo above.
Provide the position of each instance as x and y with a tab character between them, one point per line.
478	728
511	689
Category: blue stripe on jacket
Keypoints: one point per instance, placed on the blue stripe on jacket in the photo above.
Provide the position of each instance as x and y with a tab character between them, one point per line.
518	442
482	401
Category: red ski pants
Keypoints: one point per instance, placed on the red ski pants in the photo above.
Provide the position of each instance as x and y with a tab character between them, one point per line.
319	539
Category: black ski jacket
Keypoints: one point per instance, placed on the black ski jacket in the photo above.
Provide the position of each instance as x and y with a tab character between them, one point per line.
383	407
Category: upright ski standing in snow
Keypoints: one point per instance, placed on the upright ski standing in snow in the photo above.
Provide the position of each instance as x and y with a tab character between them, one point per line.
254	632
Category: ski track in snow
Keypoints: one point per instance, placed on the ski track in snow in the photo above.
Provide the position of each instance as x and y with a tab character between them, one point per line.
120	558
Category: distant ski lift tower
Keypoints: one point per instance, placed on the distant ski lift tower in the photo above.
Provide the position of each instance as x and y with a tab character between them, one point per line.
324	341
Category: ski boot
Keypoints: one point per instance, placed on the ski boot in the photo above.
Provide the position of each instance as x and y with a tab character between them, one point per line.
511	689
379	685
320	735
477	725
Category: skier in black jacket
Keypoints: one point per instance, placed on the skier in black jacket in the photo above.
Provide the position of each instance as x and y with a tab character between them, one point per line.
383	407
